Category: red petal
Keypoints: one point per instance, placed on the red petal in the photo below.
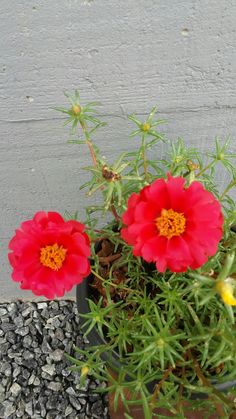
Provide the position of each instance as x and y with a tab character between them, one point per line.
198	253
55	217
145	211
176	192
157	195
155	249
77	265
82	244
133	200
149	231
178	254
76	226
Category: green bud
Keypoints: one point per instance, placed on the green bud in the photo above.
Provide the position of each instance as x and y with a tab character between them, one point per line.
76	109
146	127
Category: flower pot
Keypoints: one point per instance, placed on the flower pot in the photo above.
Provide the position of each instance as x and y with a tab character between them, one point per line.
84	292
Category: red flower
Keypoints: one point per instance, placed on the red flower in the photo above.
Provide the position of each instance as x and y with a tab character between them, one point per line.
176	227
49	255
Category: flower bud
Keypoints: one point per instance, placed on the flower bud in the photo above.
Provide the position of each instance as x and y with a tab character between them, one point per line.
76	109
84	371
192	166
146	127
226	290
220	156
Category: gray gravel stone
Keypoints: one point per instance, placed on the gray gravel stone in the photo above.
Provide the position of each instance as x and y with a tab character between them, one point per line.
11	337
28	321
81	399
15	389
16	371
3	311
97	408
35	381
66	372
27	355
25	373
53	323
75	403
27	341
39	328
52	402
12	308
42	305
57	355
68	327
23	331
31	364
19	321
59	334
55	386
26	312
52	414
46	348
4	348
31	379
8	409
7	326
68	411
94	397
49	369
32	330
29	408
18	360
45	313
20	410
70	391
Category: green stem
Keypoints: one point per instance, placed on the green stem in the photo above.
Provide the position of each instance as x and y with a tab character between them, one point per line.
94	159
89	142
114	285
208	166
230	186
227	266
144	158
97	275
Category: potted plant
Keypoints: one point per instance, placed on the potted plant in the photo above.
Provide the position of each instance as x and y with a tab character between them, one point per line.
155	279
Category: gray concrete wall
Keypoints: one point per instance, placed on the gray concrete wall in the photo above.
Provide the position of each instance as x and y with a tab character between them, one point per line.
130	55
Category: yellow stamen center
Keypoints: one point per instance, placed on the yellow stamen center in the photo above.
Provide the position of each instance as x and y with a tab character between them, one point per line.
171	223
53	256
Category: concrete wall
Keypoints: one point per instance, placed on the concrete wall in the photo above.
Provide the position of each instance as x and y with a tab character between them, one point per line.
130	55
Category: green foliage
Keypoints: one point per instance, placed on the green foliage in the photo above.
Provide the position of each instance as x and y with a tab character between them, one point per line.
171	328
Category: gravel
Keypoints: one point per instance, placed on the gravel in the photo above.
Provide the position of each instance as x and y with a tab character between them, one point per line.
35	381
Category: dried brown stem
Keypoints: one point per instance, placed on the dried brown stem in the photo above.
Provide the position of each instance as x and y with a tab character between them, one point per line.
108	259
159	386
114	212
89	143
207	383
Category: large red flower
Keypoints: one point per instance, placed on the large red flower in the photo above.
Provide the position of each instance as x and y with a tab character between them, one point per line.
49	255
175	226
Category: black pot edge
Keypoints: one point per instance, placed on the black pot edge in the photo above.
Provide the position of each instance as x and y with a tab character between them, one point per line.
94	338
82	295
